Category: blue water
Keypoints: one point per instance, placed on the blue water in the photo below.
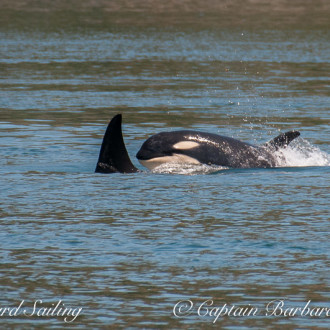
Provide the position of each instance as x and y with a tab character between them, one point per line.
127	248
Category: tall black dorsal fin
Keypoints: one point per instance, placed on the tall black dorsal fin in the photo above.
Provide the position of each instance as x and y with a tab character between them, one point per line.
282	140
113	154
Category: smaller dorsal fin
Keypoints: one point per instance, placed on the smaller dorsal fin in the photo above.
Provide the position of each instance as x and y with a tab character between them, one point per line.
282	140
113	154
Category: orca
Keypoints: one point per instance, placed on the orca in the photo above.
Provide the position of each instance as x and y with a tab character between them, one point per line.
187	147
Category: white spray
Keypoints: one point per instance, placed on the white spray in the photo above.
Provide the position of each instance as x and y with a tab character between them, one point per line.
302	153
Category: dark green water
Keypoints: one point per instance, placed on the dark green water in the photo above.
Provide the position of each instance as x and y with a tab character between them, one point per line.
147	250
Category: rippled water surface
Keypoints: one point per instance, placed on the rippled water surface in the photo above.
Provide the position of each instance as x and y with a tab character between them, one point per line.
155	250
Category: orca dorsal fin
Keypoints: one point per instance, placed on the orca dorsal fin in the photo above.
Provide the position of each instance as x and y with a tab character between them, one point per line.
282	140
113	154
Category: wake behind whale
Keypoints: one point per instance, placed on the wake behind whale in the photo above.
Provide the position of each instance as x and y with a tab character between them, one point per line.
301	153
190	152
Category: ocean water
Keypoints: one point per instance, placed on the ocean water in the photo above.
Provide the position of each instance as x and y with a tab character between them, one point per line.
180	247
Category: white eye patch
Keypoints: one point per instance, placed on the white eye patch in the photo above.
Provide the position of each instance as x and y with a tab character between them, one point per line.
185	145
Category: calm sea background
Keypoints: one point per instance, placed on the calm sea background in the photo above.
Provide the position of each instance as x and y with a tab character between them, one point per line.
128	248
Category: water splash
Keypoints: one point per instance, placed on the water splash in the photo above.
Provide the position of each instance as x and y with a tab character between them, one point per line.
302	153
187	169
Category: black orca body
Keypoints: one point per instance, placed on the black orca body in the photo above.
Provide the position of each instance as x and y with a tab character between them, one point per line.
186	147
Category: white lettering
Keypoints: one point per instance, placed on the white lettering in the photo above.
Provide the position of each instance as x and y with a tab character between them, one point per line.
274	308
183	308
